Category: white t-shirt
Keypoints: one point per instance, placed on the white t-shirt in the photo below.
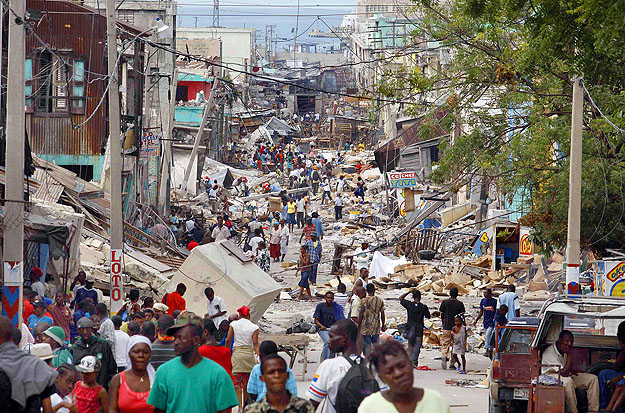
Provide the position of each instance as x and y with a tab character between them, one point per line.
432	401
254	243
220	233
217	306
552	356
56	399
326	186
326	382
38	287
361	258
341	185
243	331
121	352
338	201
301	205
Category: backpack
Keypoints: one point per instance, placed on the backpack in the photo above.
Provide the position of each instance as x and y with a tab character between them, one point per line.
354	387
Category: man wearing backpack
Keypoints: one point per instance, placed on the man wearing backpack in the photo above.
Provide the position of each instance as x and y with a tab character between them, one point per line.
341	383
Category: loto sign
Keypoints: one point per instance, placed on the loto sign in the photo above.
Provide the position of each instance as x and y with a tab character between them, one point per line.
402	179
117	284
526	247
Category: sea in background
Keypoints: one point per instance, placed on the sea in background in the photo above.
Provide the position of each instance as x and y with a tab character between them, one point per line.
313	15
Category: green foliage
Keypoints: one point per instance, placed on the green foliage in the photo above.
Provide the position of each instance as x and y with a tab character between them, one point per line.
509	87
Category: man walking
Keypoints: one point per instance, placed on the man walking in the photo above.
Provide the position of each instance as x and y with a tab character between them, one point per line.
326	314
327	379
488	307
449	309
338	207
416	313
315	250
220	232
107	329
88	344
372	318
316	221
191	383
511	300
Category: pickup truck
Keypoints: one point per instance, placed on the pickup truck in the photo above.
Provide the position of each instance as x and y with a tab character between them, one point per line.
515	369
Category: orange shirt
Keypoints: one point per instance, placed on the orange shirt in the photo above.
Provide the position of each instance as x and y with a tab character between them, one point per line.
175	302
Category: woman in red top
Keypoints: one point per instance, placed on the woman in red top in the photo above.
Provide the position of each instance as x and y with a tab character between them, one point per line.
212	350
130	388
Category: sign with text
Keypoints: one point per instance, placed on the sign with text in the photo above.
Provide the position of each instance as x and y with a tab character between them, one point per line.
117	284
149	145
402	179
526	247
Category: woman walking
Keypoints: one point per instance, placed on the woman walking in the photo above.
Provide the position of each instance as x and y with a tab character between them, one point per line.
274	241
284	238
244	333
130	389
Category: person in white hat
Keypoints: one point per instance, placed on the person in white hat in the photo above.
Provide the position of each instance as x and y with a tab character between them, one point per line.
88	394
159	310
43	351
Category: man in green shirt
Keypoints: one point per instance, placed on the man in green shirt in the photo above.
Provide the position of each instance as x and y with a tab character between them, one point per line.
55	336
191	383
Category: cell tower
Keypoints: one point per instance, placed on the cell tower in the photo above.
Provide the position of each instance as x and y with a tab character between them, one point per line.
215	13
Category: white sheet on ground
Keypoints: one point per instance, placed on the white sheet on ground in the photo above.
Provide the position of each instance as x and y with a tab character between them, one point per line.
382	266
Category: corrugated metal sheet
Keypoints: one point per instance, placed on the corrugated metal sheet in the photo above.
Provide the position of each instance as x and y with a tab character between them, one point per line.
75	31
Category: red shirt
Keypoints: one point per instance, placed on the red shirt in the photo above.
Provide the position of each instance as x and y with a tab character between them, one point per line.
192	245
175	302
28	310
220	355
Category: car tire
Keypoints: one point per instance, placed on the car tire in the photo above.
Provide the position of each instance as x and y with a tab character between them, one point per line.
596	368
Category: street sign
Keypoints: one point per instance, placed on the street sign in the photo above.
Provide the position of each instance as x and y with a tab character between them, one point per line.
402	179
149	145
117	284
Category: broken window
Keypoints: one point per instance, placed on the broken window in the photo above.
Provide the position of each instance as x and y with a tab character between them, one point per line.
52	93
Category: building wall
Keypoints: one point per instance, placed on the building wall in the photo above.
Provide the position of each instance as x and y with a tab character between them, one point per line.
237	46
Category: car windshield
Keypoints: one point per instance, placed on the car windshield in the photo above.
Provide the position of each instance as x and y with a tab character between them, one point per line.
589	325
516	341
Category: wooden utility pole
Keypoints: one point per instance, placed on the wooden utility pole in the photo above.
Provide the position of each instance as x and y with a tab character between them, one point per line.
575	190
116	219
13	227
198	137
167	96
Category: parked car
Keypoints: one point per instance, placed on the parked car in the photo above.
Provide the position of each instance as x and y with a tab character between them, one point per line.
515	368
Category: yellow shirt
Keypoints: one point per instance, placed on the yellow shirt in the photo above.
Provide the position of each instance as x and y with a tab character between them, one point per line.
431	402
290	207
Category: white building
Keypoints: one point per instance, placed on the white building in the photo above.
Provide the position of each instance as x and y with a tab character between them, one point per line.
237	47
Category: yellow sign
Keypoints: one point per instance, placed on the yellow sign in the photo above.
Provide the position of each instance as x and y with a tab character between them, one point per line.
616	272
484	237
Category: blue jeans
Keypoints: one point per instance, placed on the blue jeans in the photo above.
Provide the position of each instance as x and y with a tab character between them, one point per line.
489	336
325	336
368	341
313	275
605	392
416	350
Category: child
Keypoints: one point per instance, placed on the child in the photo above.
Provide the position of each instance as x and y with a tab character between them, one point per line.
65	381
501	319
459	335
306	269
89	396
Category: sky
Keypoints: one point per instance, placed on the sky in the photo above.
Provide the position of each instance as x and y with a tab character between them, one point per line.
259	13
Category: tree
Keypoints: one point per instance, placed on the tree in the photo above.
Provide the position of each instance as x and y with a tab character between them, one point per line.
509	85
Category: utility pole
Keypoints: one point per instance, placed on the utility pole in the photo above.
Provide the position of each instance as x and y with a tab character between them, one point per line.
13	227
575	190
198	137
116	219
215	13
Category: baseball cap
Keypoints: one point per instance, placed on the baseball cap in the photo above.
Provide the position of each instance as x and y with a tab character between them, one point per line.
183	320
84	322
56	333
47	301
39	303
90	278
42	350
160	307
88	364
244	310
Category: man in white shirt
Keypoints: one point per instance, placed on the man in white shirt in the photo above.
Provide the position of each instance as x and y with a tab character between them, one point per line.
511	300
216	308
301	211
558	354
254	241
121	341
325	384
362	256
338	207
220	232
